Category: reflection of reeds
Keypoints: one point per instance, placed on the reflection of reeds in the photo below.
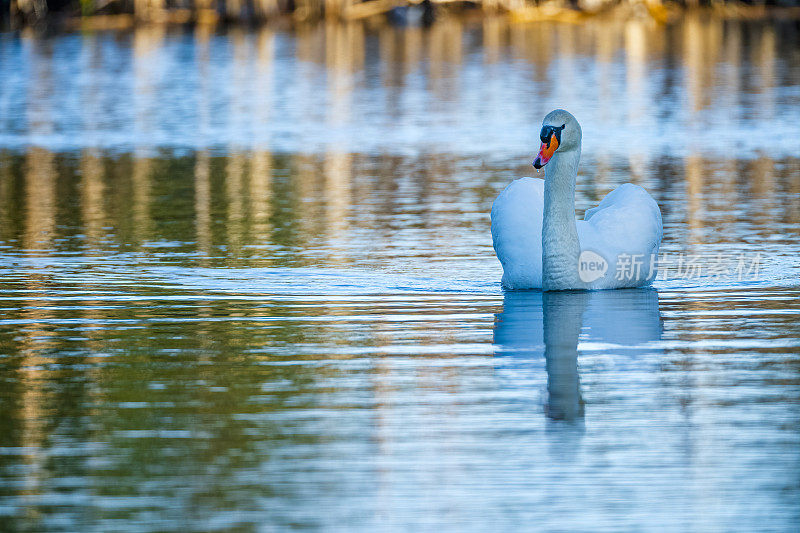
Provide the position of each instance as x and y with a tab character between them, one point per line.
40	191
259	196
202	203
234	191
36	338
281	207
92	200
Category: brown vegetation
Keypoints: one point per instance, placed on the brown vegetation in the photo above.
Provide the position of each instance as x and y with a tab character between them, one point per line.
118	14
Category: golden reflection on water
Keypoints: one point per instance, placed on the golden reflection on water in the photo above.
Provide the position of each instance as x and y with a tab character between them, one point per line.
254	203
40	206
141	199
202	203
36	338
92	198
234	192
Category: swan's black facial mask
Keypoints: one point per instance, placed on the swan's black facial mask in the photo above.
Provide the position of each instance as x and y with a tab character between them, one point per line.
551	140
549	131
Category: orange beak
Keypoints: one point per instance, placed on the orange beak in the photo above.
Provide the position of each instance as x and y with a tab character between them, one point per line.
546	151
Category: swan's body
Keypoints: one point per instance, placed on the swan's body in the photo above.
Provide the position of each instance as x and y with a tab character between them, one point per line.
541	245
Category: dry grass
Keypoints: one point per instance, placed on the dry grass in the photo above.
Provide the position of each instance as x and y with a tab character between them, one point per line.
121	14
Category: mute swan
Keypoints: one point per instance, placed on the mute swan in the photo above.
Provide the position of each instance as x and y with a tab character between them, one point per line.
541	245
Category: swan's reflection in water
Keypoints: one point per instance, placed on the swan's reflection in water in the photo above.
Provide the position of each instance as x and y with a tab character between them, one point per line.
552	324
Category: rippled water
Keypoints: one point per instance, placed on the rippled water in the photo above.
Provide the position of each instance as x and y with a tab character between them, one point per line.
247	281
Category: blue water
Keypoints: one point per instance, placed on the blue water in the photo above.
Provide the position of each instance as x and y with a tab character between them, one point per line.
248	284
703	86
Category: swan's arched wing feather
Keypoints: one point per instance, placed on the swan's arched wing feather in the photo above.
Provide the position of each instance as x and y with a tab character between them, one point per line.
517	232
628	219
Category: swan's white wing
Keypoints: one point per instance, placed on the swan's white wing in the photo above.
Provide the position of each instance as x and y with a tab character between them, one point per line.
628	218
517	233
625	227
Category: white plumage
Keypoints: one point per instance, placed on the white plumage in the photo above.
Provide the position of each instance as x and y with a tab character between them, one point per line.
624	230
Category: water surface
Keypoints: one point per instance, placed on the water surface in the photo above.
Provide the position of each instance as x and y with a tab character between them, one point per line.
248	283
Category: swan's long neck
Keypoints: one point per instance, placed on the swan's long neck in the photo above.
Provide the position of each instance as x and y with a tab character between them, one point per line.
560	245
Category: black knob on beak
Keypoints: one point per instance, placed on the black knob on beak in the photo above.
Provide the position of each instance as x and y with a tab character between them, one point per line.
548	132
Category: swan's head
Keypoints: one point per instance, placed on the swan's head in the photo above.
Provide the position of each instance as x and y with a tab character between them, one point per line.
560	132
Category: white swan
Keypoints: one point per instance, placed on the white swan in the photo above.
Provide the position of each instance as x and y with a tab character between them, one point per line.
541	245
